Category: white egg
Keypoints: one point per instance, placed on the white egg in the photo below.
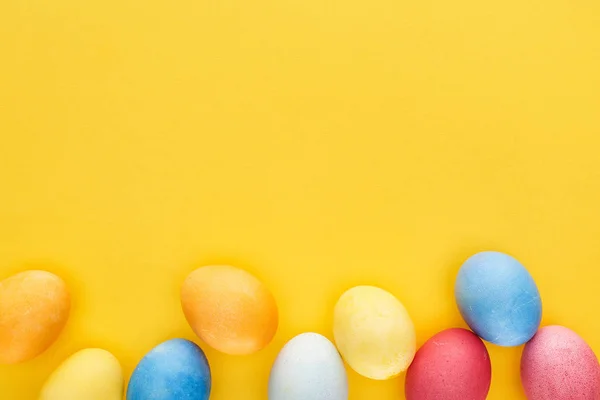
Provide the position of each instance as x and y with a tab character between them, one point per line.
308	367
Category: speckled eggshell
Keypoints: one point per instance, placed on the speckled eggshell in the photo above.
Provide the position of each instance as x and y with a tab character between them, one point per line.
34	308
557	364
452	365
498	298
229	309
373	332
174	370
308	367
90	374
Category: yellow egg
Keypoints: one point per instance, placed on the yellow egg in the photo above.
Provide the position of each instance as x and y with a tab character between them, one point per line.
229	309
374	332
90	374
34	307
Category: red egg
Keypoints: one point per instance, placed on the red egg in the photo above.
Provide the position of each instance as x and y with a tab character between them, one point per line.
557	364
452	365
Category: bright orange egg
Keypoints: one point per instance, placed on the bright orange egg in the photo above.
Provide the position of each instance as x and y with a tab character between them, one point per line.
229	309
34	307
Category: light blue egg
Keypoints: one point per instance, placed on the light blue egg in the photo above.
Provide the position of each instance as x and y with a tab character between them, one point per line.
308	367
174	370
498	298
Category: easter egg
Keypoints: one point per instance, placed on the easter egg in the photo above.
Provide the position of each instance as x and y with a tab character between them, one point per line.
557	364
90	374
498	298
374	332
174	370
34	307
452	365
308	367
229	309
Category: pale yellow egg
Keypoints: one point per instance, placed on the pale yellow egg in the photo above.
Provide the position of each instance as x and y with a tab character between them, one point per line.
90	374
373	332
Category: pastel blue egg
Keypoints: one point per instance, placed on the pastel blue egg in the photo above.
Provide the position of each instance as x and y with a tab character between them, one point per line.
174	370
498	298
308	367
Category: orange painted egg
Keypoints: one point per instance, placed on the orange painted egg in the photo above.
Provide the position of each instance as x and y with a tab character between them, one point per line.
34	307
229	309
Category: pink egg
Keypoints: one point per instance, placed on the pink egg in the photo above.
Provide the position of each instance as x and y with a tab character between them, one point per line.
557	364
452	365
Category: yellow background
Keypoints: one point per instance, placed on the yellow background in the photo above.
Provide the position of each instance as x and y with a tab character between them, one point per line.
319	144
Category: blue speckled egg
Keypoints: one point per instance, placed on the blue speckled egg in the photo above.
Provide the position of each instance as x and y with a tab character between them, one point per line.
498	298
308	367
174	370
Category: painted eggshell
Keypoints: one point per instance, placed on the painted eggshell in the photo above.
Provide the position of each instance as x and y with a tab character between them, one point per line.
557	364
308	367
90	374
174	370
374	332
498	298
34	308
229	309
452	365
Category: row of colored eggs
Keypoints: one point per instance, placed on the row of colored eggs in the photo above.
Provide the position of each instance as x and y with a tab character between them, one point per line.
233	312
